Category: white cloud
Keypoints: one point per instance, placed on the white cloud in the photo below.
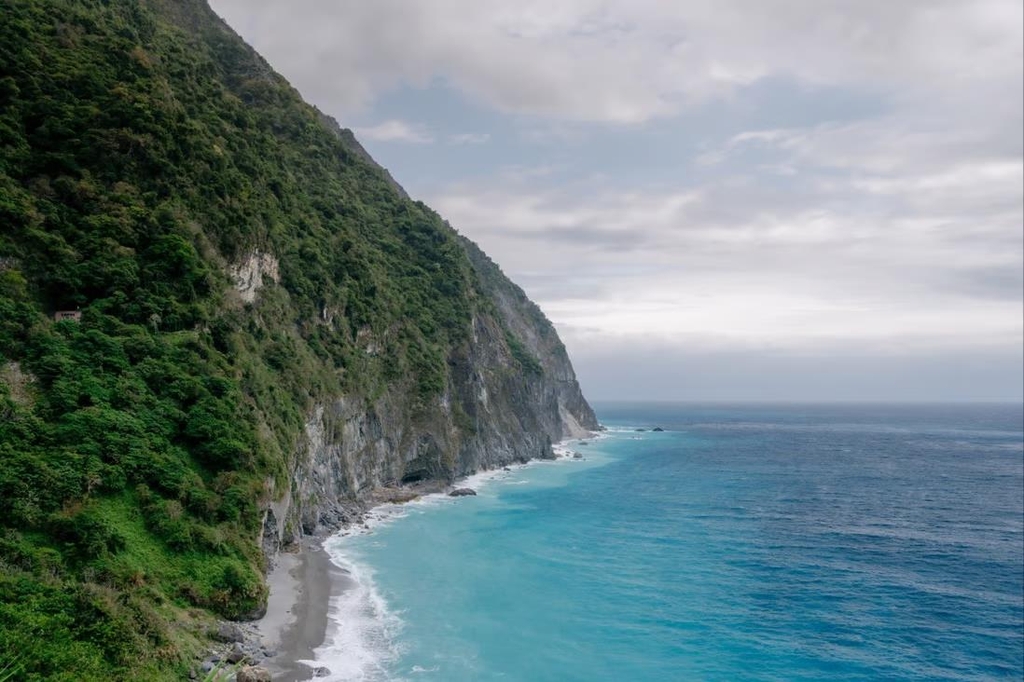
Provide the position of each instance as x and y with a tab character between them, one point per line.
469	138
396	131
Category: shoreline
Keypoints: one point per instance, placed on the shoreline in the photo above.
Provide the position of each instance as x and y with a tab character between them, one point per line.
303	585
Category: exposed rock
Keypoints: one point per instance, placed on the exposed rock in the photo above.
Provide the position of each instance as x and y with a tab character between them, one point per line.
658	429
253	674
229	633
248	275
321	672
236	655
639	430
577	455
462	492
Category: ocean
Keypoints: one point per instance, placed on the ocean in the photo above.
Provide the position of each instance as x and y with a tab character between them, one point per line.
744	542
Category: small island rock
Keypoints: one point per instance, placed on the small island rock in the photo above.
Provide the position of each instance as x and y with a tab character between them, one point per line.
658	429
462	492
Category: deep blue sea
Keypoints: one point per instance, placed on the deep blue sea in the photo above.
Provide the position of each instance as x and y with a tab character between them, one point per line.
742	543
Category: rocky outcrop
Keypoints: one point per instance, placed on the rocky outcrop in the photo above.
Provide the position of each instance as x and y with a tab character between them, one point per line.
462	492
248	275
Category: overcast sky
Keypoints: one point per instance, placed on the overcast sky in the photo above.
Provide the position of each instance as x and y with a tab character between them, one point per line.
766	199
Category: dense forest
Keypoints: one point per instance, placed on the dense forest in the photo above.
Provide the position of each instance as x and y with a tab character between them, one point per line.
145	152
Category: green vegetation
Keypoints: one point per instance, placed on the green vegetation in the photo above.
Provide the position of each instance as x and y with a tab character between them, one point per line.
144	150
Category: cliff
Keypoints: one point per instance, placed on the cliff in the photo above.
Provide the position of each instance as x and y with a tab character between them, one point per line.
271	332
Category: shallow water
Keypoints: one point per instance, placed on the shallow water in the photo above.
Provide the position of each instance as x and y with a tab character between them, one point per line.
745	542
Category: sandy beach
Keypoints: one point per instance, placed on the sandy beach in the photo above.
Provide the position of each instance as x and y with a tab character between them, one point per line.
302	585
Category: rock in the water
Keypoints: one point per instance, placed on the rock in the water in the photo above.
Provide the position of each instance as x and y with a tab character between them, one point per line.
462	492
321	672
229	632
640	430
577	455
253	674
658	429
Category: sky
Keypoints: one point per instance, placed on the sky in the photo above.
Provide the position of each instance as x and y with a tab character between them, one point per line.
792	200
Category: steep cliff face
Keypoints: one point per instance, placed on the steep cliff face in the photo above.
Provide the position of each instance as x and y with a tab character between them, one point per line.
268	333
510	393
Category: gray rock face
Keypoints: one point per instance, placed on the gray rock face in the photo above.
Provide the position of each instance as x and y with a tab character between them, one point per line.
462	492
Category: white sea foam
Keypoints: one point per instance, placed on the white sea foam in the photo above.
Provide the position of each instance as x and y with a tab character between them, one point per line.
362	635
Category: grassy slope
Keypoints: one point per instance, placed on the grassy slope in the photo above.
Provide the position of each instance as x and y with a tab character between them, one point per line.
138	160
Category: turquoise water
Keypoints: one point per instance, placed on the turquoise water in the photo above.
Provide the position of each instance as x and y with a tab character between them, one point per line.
744	543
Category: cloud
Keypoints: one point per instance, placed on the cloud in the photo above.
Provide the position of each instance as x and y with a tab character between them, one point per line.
930	261
629	62
396	131
469	138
